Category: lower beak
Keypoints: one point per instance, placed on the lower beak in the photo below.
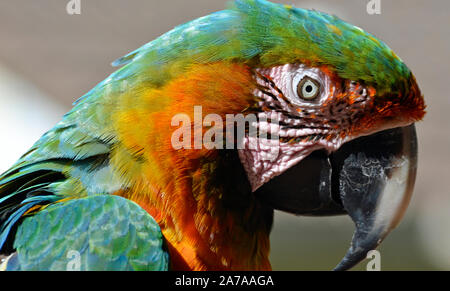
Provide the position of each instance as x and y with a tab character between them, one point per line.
371	179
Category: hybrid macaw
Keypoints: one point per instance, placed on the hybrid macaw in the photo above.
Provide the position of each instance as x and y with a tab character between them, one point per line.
107	187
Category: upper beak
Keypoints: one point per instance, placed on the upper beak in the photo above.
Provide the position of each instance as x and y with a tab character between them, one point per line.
371	179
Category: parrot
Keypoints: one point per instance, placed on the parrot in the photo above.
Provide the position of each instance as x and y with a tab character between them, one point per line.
106	189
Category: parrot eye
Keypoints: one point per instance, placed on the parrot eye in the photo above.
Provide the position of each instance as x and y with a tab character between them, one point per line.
308	89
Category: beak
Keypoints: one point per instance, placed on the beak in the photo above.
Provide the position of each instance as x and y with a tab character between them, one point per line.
371	179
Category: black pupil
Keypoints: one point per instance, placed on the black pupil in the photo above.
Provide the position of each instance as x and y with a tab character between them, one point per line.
309	88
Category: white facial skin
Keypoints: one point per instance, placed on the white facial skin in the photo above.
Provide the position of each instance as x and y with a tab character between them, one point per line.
301	103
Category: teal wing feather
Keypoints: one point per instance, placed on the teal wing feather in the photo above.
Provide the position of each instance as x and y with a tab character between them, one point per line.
101	232
65	162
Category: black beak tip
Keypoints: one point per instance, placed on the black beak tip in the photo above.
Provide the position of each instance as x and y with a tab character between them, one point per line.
358	252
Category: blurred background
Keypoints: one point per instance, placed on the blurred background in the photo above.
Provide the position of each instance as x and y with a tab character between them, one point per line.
49	58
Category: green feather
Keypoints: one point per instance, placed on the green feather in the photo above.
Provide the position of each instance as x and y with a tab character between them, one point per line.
265	34
108	233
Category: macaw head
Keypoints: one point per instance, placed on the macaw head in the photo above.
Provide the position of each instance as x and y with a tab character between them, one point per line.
339	102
